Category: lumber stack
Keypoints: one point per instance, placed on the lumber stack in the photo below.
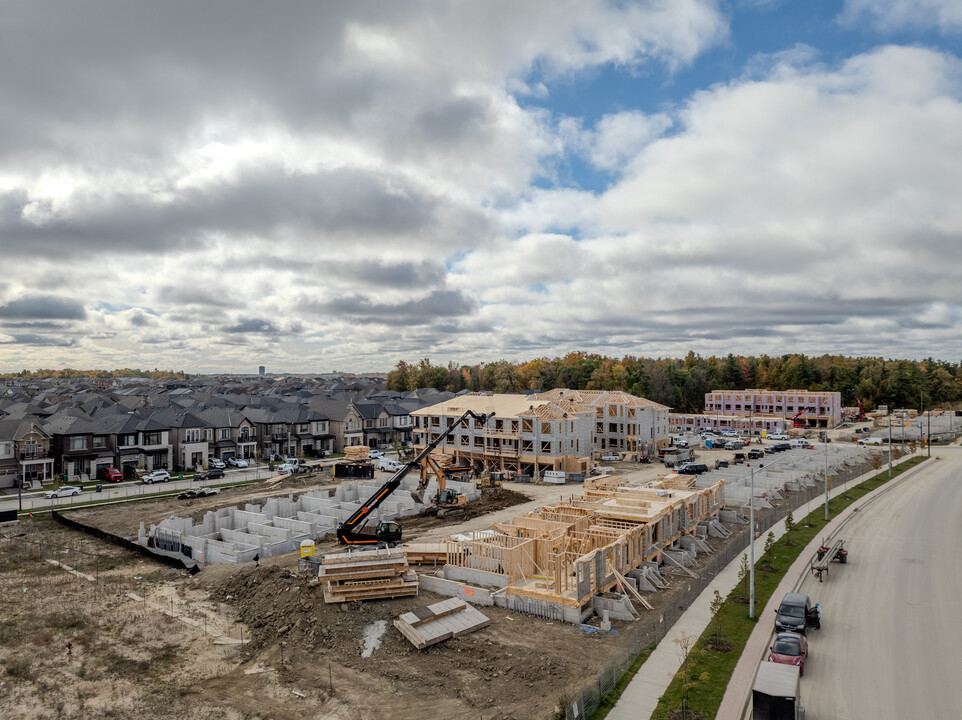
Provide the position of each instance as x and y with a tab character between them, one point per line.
440	621
426	553
370	575
353	453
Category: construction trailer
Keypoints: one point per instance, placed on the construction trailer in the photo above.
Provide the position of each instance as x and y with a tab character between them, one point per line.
776	694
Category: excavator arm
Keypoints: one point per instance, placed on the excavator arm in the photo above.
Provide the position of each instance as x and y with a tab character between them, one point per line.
349	531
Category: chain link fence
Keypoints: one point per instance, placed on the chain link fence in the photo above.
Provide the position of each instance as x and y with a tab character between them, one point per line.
645	634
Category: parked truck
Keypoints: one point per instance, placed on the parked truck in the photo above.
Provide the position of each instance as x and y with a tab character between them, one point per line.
678	456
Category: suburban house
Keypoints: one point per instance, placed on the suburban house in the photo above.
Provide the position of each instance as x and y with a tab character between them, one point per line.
25	452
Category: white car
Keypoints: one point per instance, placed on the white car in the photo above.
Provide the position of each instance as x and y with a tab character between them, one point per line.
286	468
156	476
216	463
65	491
375	453
237	462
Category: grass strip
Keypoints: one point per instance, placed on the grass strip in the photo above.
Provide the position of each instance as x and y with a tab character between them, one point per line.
709	671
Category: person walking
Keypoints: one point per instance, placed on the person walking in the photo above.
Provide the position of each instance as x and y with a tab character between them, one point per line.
257	560
818	616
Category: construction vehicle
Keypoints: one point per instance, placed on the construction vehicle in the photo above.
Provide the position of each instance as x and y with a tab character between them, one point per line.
448	501
861	416
801	423
491	480
352	531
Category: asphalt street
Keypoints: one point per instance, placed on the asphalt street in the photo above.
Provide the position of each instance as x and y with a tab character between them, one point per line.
891	639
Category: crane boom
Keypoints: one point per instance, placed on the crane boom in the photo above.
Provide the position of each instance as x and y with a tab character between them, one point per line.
349	531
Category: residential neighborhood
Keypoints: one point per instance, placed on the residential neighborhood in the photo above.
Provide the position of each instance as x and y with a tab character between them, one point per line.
72	430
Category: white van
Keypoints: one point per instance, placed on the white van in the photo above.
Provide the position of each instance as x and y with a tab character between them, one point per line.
871	441
389	464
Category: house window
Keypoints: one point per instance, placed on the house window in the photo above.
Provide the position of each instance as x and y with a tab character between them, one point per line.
368	423
6	449
193	435
77	442
302	428
464	440
224	433
612	427
527	446
478	442
546	446
128	440
153	438
545	428
526	425
100	441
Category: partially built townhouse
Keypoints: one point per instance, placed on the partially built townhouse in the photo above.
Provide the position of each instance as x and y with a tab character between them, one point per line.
555	430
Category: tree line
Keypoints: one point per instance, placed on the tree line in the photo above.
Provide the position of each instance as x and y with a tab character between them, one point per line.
682	383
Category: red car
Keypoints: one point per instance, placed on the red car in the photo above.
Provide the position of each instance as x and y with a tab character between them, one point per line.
110	473
790	649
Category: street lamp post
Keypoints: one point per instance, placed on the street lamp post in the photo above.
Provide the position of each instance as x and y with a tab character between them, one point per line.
826	477
890	445
751	541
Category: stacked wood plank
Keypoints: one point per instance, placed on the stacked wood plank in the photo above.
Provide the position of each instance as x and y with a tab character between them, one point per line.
440	621
370	575
426	553
354	453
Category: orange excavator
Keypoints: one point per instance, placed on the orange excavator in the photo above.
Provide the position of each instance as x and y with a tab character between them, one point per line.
448	501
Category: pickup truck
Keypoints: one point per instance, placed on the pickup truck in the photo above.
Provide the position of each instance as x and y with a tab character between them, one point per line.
871	441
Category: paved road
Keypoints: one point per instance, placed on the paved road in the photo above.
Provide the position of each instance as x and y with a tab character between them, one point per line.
891	639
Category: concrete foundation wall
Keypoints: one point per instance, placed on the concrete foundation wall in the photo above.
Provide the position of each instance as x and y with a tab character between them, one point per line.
450	588
475	577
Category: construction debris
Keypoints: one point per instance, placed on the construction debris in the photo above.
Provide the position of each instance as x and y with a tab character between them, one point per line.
440	621
370	575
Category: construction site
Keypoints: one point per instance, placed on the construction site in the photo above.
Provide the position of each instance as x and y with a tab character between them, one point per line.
439	596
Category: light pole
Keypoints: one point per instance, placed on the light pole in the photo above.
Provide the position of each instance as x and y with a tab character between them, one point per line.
751	540
890	444
826	477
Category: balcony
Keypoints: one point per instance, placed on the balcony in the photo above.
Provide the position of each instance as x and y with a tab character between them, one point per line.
32	455
504	434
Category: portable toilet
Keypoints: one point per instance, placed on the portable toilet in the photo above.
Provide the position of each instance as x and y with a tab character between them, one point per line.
307	548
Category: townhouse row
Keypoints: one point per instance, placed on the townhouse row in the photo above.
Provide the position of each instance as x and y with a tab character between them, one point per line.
65	441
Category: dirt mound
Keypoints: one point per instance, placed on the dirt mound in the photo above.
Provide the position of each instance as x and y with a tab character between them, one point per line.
490	501
516	668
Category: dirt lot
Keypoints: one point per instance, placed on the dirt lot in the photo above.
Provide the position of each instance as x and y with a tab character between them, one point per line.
132	638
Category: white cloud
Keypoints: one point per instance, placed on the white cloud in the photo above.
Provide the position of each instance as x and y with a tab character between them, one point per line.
890	15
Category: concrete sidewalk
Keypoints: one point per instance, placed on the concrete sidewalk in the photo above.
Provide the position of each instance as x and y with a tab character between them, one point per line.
640	698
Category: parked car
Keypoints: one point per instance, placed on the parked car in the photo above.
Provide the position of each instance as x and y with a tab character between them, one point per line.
795	614
681	443
156	476
790	648
65	491
212	474
739	458
287	468
782	447
777	436
755	454
692	469
721	464
734	445
110	474
216	463
237	462
375	453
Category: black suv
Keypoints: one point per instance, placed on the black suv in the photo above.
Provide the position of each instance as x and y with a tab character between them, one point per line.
692	469
796	614
212	474
755	454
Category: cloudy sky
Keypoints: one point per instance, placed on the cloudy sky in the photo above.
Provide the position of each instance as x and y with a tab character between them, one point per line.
316	186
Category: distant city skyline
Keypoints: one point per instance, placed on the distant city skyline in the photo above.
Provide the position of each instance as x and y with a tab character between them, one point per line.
350	185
